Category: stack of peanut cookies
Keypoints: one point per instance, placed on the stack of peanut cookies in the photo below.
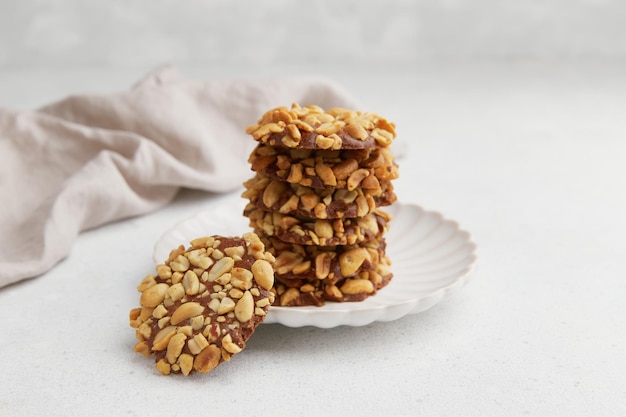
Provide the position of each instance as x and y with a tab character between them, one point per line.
321	178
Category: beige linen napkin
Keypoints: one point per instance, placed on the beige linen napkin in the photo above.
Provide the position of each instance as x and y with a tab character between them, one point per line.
92	159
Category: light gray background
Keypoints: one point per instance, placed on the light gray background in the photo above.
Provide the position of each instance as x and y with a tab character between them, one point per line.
513	115
276	33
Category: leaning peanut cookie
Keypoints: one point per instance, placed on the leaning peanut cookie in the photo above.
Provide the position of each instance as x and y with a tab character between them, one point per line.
204	303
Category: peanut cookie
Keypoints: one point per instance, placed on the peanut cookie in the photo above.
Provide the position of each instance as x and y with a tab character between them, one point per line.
328	203
204	303
323	168
322	232
310	127
330	263
301	292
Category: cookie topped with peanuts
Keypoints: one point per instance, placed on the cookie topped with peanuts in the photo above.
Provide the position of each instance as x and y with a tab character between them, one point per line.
203	303
330	203
321	232
325	168
311	127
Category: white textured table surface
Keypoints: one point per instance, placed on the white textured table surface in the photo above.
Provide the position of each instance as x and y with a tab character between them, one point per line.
530	158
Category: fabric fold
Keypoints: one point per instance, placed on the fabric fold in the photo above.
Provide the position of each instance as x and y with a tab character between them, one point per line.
91	159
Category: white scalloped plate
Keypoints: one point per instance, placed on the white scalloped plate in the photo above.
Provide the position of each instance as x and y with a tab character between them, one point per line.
431	256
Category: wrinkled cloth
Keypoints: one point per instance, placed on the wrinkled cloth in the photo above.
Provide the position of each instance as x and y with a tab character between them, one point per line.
92	159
